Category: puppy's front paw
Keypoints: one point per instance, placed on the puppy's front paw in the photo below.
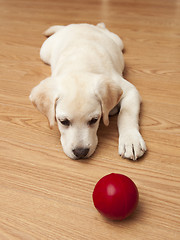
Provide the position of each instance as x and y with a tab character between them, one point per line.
131	144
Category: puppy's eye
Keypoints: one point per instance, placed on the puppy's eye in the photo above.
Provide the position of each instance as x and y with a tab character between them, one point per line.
65	122
92	121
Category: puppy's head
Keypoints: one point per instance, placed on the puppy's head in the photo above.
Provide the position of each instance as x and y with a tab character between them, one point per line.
78	109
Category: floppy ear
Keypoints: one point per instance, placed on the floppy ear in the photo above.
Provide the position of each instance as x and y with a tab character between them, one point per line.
44	96
109	94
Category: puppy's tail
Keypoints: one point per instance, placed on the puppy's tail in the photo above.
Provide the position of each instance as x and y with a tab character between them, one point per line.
50	31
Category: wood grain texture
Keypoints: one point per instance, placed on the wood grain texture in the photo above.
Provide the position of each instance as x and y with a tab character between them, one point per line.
43	194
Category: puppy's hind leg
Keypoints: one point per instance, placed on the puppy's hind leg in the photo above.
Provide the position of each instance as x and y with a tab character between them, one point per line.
112	35
101	25
53	29
46	49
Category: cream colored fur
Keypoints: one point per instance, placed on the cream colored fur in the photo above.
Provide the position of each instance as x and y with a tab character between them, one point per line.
86	84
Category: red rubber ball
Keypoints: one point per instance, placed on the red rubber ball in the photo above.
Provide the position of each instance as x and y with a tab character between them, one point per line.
115	196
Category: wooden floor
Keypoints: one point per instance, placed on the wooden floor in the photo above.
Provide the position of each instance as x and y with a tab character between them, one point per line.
44	195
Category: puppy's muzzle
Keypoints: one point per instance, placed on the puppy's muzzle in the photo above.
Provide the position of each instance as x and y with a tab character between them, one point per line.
80	152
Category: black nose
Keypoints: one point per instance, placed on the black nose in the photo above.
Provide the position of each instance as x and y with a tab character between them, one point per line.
80	152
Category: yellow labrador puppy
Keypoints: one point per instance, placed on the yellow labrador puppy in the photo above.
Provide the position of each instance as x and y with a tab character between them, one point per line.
87	84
